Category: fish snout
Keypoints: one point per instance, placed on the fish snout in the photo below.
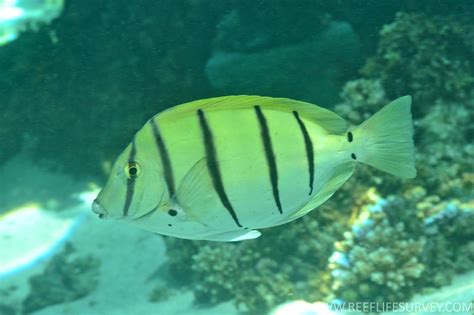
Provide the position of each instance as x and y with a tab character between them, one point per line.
99	209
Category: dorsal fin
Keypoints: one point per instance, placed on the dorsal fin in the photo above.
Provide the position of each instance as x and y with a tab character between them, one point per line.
325	118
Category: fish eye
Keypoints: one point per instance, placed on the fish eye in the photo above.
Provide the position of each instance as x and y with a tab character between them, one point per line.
132	170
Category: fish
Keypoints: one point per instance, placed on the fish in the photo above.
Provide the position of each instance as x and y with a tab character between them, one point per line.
222	169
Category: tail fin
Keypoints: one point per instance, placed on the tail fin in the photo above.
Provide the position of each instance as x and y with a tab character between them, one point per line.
385	140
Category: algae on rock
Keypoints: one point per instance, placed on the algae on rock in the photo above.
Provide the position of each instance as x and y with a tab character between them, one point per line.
429	57
311	70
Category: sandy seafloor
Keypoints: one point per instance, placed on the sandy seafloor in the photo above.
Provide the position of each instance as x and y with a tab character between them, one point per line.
129	258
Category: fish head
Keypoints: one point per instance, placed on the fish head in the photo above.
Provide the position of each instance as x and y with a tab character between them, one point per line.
134	188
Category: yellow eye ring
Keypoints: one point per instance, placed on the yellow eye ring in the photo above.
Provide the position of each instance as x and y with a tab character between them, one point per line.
132	170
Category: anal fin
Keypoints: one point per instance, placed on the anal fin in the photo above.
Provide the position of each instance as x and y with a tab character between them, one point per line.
234	236
340	176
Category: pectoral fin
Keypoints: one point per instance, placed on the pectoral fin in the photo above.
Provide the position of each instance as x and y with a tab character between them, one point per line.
195	194
194	185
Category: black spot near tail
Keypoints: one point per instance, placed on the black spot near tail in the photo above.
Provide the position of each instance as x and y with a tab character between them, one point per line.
350	137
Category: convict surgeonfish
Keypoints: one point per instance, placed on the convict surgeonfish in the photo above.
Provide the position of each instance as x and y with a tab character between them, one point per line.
222	168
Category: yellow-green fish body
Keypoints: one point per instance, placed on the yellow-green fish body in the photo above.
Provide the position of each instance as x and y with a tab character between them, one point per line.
222	168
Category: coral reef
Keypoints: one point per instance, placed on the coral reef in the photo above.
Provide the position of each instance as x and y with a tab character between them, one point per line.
402	244
428	57
67	277
361	98
180	253
257	274
444	169
378	260
394	247
445	156
448	226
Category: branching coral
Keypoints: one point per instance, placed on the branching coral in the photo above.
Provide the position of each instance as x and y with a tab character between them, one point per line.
400	245
448	226
378	259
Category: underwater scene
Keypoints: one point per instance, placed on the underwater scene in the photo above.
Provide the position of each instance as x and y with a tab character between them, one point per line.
321	162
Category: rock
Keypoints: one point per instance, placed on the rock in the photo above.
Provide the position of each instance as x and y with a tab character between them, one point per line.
313	70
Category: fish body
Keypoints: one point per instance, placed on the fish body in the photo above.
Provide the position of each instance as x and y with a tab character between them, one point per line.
223	168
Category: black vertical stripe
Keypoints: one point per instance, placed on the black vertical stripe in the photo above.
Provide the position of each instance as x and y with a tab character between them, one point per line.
309	150
130	182
165	159
271	161
213	167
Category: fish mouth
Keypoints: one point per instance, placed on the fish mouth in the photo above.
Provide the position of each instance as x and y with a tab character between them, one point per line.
99	209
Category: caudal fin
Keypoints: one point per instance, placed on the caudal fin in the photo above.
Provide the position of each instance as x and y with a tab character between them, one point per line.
385	140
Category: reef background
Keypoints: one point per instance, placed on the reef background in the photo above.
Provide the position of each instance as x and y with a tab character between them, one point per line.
73	103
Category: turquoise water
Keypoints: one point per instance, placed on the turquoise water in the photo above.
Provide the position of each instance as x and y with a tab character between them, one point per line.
79	78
